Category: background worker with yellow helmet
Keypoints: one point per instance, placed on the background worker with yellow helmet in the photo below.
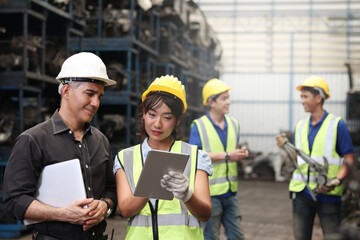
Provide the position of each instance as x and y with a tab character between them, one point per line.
162	108
320	135
218	135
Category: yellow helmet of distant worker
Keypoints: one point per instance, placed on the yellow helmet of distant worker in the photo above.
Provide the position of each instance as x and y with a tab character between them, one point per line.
315	82
169	84
213	87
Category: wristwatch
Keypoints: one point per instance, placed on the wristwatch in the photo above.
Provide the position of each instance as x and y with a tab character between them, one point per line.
109	211
227	156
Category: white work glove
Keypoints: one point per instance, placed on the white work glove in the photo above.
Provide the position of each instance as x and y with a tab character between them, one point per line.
329	186
178	184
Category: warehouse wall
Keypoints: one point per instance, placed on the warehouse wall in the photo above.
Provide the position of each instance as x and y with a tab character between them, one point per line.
266	103
275	35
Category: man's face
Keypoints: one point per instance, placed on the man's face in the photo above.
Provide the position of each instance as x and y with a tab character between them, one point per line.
222	103
309	101
84	100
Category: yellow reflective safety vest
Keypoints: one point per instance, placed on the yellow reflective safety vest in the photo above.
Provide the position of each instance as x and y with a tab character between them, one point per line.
225	173
324	145
169	219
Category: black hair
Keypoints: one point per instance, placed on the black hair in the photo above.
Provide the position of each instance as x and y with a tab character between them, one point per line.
214	97
154	100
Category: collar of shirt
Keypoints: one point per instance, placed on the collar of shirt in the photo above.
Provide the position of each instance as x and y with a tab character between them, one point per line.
145	148
215	125
60	126
320	122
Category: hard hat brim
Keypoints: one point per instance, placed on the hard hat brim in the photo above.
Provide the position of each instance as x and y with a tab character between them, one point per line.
205	101
108	82
299	88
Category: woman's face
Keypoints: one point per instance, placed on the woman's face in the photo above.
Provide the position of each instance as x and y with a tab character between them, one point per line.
159	124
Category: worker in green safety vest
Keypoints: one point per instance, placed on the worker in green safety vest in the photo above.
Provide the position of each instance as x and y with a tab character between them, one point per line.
162	108
218	134
320	135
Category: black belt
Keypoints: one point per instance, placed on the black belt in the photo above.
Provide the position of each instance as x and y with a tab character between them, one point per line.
39	236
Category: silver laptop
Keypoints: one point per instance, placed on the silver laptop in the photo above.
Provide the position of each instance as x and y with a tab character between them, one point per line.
60	184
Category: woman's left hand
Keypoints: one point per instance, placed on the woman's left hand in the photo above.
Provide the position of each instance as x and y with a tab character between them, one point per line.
178	184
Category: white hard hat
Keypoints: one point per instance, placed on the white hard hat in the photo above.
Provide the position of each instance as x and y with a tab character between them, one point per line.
85	67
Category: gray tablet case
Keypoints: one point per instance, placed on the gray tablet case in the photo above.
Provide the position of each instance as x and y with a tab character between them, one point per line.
157	164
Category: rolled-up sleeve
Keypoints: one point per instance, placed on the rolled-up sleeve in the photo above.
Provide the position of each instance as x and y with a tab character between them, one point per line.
20	176
204	162
117	164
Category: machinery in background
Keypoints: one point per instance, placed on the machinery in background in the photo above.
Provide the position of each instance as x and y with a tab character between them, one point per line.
352	104
274	165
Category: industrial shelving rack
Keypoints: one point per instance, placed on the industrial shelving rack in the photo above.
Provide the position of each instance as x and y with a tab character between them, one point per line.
133	54
38	35
182	55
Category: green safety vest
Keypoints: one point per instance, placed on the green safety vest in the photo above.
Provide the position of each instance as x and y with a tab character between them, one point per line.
225	173
324	145
169	219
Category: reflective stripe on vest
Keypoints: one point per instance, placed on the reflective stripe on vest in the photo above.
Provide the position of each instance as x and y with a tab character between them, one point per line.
225	174
174	221
324	145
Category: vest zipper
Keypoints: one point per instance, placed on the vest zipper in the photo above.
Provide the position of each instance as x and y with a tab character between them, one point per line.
227	173
154	220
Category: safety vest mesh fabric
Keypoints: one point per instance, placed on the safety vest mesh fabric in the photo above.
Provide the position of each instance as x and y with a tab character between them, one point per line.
324	146
225	173
174	220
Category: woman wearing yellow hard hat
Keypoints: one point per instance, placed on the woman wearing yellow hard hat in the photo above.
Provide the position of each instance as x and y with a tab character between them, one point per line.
162	108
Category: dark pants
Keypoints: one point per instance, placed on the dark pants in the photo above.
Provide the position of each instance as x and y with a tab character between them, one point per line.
304	211
37	236
67	231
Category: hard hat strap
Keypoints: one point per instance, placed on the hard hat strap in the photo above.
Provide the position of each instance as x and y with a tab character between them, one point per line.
321	92
68	80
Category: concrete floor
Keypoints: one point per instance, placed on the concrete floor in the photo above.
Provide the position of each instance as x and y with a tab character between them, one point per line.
266	212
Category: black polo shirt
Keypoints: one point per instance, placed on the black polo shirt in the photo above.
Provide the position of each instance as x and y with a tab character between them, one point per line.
51	142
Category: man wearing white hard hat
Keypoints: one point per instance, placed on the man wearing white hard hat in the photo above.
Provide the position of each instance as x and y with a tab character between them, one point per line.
320	135
67	135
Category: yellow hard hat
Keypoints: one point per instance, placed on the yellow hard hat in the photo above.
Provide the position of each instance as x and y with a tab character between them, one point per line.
169	84
213	87
315	81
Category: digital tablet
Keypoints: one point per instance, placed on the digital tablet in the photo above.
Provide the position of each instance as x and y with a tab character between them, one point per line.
157	164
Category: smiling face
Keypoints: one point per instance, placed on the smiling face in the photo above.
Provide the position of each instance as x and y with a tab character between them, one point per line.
221	104
310	102
83	100
159	124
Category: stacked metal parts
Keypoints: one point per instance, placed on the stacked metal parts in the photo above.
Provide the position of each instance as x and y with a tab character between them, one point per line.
138	40
32	48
